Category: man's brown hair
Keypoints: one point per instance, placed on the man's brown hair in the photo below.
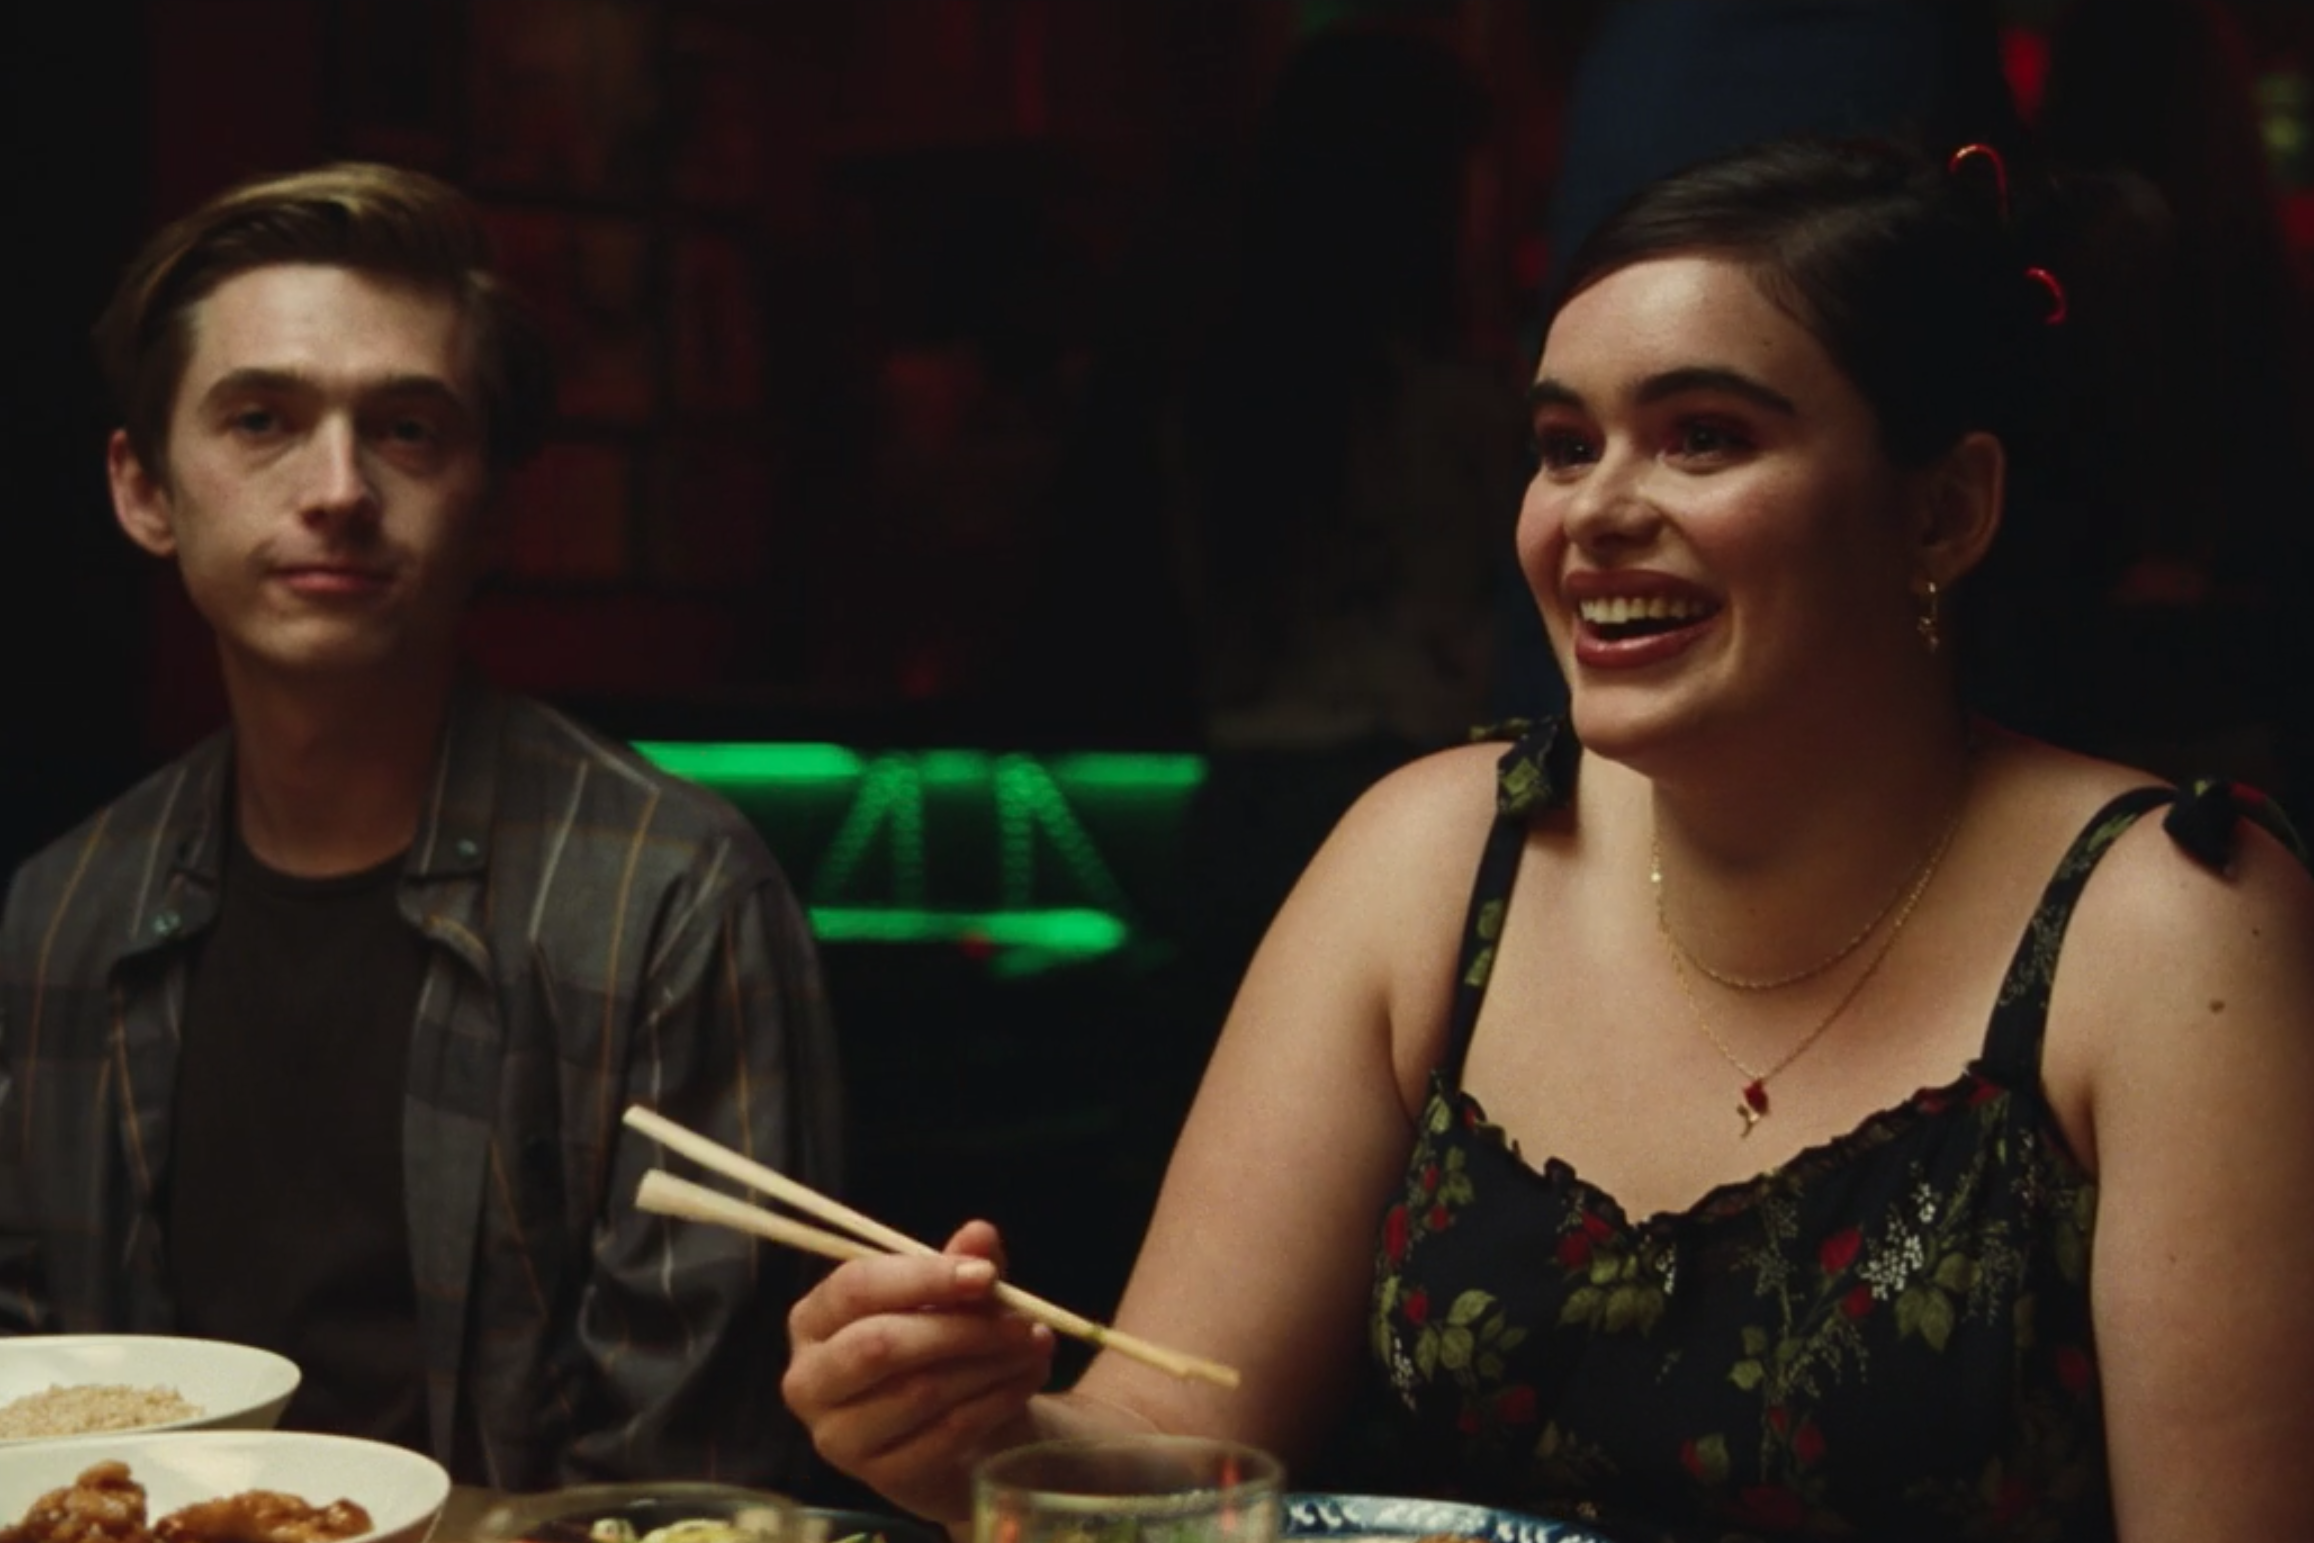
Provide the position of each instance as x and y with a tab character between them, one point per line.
373	218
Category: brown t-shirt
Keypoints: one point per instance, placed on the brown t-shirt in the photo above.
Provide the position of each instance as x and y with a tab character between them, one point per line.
284	1211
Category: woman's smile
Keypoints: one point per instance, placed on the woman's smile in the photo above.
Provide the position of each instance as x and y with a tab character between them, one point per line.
1626	620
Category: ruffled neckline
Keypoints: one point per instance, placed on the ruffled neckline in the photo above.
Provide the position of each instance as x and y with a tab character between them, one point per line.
1976	1085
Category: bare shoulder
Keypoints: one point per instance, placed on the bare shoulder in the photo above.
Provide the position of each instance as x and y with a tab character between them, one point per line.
1378	913
1388	886
1431	815
2176	958
2163	906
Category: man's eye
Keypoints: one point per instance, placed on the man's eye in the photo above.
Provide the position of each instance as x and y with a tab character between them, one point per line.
255	420
418	432
1562	449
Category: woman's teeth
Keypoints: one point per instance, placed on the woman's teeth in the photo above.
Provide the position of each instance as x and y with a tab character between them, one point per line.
1641	613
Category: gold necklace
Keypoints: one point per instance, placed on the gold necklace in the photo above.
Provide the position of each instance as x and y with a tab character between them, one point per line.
1741	983
1753	1105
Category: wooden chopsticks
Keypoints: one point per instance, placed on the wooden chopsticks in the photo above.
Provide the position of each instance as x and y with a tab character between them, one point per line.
667	1195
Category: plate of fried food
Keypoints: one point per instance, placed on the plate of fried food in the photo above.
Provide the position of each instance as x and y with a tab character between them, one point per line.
218	1487
60	1385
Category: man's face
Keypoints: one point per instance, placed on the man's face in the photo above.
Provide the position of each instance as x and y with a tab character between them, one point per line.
325	483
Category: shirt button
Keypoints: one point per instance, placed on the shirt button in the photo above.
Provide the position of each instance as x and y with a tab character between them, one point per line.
166	923
467	849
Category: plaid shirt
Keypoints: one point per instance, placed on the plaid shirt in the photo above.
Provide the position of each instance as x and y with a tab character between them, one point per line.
599	934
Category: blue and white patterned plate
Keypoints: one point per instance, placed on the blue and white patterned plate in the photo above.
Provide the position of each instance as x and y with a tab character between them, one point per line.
1386	1516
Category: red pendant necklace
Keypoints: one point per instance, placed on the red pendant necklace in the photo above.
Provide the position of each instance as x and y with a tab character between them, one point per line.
1753	1106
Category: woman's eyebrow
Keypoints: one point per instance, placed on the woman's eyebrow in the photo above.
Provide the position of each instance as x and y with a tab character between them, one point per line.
1547	392
1704	377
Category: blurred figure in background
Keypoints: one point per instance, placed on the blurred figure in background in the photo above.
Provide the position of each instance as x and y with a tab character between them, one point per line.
2195	455
1290	475
1346	474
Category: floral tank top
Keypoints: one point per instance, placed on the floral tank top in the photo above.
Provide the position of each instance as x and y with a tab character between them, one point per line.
1888	1337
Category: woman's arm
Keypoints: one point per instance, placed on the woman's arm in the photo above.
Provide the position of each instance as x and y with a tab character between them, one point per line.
1261	1250
2196	992
1260	1253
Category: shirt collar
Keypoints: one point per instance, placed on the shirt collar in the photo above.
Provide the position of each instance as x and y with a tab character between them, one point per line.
453	837
178	896
454	830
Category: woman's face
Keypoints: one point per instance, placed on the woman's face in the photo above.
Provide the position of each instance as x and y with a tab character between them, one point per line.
1713	533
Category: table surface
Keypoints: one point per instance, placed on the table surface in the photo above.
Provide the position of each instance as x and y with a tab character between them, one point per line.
466	1506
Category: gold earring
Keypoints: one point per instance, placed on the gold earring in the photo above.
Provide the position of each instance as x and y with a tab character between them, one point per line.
1927	625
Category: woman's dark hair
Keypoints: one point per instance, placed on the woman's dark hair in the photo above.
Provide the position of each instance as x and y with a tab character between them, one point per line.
1912	277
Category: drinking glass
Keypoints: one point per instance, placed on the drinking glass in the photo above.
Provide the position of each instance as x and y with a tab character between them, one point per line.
1128	1489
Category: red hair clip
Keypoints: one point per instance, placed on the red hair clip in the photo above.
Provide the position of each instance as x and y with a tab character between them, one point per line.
2041	276
2048	281
2000	167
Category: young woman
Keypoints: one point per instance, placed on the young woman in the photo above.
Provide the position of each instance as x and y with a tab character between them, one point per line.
1826	1114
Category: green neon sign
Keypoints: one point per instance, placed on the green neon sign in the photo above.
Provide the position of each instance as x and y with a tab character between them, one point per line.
744	764
1068	931
891	804
752	766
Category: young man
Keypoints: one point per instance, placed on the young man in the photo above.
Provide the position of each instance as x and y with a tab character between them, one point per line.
320	1037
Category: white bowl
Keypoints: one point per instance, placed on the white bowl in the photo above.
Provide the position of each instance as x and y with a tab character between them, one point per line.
236	1387
402	1490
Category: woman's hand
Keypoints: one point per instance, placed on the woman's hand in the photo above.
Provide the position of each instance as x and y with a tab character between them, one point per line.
906	1371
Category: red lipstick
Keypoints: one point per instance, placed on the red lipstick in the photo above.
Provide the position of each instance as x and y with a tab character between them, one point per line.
1636	617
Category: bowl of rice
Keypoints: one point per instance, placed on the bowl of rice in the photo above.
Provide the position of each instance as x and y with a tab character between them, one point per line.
54	1386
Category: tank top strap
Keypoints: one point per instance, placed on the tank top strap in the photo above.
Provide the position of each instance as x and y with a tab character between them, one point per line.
2203	818
1536	773
2012	1050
